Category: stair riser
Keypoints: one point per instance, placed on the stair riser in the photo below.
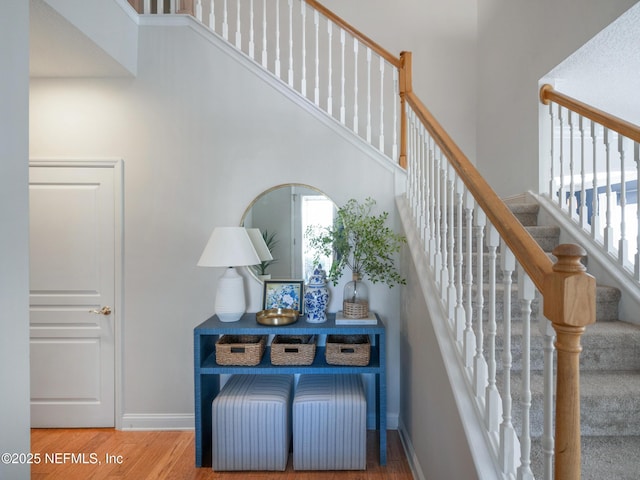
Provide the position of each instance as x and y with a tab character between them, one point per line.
547	239
598	354
607	302
601	415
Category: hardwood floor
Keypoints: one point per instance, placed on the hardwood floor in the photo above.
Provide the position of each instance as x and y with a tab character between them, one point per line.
112	454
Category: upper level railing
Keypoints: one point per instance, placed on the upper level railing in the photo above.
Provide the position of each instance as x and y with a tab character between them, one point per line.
591	171
326	60
369	91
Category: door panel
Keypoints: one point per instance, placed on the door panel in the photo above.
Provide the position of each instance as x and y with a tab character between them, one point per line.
72	240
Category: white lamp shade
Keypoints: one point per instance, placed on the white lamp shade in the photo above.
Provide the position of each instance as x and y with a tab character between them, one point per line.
229	247
259	244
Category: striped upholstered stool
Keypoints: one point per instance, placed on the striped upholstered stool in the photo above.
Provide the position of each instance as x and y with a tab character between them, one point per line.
251	423
330	423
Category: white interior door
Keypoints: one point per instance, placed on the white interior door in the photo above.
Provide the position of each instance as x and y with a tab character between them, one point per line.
72	295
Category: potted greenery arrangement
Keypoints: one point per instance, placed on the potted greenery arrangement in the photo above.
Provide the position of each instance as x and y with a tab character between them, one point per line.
270	241
361	241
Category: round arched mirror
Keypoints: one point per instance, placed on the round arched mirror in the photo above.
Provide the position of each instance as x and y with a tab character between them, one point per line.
283	214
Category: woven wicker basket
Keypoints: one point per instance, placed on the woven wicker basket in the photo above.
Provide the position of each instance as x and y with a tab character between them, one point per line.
240	349
348	350
293	349
355	309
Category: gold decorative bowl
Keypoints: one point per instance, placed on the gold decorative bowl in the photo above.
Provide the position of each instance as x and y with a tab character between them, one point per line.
277	316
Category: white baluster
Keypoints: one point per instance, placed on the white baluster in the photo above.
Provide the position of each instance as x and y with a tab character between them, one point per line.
437	212
479	362
425	142
451	288
548	336
238	34
342	77
584	213
198	12
212	16
368	95
431	159
572	194
636	159
469	343
552	177
355	85
381	137
561	190
623	246
277	64
225	23
146	7
444	197
492	396
508	438
316	92
595	208
608	229
460	312
412	171
330	69
526	293
424	181
303	80
251	31
394	146
265	57
290	78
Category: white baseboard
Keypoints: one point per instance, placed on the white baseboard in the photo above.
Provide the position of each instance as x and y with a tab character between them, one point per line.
183	421
414	464
143	421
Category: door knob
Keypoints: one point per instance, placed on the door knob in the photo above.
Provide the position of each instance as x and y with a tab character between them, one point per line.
103	311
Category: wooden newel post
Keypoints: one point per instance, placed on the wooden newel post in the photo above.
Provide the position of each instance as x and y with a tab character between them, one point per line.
405	86
569	303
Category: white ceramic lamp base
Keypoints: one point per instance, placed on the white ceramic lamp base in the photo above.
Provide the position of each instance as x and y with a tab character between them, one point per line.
230	300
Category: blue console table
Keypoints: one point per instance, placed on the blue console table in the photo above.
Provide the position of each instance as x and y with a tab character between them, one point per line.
207	372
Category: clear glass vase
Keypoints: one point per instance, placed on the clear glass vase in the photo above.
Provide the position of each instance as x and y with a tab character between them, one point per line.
355	301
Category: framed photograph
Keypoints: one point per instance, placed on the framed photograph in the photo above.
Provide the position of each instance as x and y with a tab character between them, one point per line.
283	294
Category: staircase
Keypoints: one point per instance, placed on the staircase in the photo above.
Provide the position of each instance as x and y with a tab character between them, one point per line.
609	378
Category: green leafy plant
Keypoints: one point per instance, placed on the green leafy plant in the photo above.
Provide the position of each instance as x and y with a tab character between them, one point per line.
271	241
361	241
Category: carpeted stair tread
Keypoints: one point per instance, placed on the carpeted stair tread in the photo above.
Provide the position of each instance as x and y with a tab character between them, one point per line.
526	213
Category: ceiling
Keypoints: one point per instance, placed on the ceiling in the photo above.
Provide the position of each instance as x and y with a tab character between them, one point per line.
59	49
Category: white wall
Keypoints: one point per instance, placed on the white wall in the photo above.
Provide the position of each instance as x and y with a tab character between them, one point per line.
200	138
518	43
604	71
429	414
14	239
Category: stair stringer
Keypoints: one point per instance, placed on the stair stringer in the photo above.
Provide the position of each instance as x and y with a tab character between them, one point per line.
600	264
188	21
482	447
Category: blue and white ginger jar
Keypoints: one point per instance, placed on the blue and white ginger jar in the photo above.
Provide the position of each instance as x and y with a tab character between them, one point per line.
316	297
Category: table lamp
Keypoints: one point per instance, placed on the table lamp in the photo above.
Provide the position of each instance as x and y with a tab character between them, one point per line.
229	247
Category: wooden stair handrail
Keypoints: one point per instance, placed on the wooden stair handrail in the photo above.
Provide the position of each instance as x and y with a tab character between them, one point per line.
530	255
389	57
628	129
